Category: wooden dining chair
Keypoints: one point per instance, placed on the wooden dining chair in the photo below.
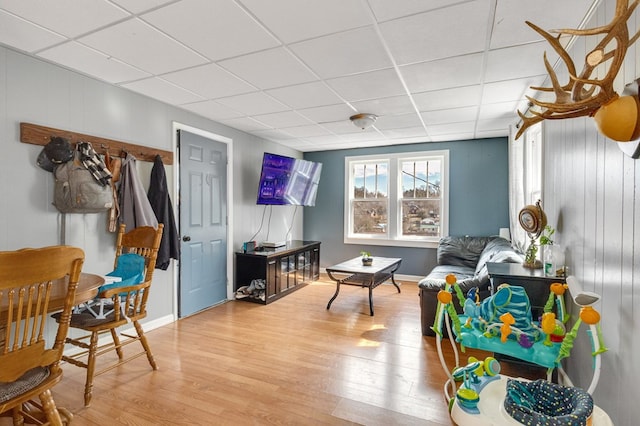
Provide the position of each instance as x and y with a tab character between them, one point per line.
30	280
129	305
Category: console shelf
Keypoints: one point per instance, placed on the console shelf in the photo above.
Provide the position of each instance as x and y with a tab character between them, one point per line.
283	269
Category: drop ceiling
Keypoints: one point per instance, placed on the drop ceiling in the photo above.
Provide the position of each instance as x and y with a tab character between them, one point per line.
294	71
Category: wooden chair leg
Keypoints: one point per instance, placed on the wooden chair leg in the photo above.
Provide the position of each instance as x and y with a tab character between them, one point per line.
91	366
145	344
18	419
49	408
116	341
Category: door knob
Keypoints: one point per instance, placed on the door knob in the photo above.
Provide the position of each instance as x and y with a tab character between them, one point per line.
186	238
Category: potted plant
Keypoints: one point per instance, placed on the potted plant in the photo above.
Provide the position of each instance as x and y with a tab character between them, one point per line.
546	242
367	260
545	238
530	260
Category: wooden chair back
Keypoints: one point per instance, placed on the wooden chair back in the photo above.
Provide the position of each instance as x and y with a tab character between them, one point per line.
28	279
144	241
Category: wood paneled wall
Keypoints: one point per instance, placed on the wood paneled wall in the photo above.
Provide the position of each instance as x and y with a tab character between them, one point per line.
592	195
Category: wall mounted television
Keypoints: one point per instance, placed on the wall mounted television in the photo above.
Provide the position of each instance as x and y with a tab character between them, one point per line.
288	181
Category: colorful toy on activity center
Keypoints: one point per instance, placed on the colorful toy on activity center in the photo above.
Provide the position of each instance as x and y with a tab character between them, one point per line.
503	324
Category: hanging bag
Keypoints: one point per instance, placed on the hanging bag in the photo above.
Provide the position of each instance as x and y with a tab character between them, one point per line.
79	190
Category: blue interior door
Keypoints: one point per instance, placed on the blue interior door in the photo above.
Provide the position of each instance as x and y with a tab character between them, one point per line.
203	222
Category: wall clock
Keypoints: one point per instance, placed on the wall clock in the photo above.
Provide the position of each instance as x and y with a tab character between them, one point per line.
533	220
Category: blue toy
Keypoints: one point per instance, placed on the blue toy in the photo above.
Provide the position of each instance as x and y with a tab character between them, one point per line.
503	324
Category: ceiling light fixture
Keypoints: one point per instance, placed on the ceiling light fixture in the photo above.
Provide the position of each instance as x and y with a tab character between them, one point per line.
363	121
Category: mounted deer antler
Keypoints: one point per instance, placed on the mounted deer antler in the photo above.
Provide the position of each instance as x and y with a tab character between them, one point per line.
583	95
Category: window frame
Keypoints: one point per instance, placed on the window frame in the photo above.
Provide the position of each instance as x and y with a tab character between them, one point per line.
393	235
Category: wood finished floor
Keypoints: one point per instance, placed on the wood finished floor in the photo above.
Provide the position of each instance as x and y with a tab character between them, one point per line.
288	363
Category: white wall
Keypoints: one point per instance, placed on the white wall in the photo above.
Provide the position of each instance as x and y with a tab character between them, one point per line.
32	90
592	195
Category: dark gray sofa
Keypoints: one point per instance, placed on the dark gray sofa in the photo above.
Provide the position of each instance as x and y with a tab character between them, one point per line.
466	257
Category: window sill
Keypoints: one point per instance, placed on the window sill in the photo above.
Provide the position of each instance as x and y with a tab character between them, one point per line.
392	243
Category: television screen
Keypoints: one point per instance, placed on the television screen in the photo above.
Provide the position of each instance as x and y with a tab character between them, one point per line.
286	180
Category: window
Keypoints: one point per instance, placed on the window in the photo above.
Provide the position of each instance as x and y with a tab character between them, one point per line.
397	199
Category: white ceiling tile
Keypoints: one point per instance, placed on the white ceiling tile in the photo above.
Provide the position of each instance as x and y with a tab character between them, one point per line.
385	106
495	123
328	113
305	95
274	135
368	135
388	122
217	29
510	28
140	45
448	98
307	131
445	73
23	35
445	137
209	81
451	128
510	90
299	144
269	68
67	17
343	53
253	103
92	62
406	132
499	110
453	115
369	85
295	20
246	124
516	62
212	110
162	90
441	33
324	139
283	119
386	10
138	6
344	126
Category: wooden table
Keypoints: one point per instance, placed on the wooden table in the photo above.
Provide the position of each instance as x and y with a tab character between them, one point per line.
87	289
353	272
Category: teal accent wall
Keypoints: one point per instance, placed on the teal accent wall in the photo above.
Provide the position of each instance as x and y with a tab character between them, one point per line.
478	199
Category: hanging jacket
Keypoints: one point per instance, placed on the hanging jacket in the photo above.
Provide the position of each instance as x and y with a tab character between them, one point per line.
135	209
161	203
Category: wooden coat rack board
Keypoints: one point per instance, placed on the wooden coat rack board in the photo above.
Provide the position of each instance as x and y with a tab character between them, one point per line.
41	135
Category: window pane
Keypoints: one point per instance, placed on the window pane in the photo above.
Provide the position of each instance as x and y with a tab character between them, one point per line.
421	179
421	217
370	180
370	217
358	181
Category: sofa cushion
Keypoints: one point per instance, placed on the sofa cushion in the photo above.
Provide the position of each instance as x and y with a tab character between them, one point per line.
461	251
435	281
497	250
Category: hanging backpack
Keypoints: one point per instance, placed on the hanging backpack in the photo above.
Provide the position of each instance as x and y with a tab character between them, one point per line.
77	190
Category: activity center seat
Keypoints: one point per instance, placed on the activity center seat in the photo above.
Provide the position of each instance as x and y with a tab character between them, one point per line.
502	323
